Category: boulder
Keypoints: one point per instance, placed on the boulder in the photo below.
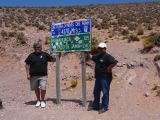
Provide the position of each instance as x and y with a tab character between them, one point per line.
147	94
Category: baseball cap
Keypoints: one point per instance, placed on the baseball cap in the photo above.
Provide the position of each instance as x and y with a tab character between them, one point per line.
102	45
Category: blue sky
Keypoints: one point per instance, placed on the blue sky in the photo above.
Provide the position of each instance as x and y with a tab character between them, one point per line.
63	2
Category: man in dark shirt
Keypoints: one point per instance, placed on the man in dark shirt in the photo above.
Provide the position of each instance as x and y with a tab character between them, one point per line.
104	63
36	68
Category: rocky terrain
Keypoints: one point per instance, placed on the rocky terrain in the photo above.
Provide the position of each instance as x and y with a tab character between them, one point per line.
132	34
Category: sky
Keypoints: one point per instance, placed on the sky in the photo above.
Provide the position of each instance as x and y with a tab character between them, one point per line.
18	3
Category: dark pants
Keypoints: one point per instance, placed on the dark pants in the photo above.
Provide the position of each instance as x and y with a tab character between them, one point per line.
104	86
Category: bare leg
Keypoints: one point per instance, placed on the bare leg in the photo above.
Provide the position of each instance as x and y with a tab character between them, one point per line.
43	93
37	92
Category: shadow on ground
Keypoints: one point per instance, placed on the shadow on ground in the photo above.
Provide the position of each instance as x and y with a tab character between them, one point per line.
55	101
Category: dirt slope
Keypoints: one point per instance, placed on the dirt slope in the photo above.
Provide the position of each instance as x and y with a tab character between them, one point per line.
127	100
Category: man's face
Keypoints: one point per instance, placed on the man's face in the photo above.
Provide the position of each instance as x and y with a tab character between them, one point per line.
38	49
101	49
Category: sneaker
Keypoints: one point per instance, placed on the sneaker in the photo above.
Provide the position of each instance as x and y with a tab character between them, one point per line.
43	104
102	110
38	104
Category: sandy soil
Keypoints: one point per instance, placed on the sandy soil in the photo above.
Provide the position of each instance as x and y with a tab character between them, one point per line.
127	101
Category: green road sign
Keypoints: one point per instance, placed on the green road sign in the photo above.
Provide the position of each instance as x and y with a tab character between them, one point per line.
71	43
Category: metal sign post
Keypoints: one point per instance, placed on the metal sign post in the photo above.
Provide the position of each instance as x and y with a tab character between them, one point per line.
83	79
73	36
58	88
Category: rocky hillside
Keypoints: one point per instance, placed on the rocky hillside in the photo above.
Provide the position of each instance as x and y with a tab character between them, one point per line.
129	21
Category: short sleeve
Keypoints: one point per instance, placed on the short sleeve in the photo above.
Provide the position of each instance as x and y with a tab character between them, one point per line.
94	58
28	59
49	57
97	56
111	60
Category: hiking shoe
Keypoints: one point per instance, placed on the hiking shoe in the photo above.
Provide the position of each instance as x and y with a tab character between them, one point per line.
102	110
38	104
43	104
92	108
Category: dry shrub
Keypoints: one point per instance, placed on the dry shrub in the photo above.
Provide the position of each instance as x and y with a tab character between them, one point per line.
158	22
140	30
4	33
21	38
156	58
132	26
47	40
21	28
74	83
94	46
12	34
7	24
122	21
98	26
111	34
148	44
151	41
155	37
133	38
125	31
149	27
105	25
41	27
156	88
1	23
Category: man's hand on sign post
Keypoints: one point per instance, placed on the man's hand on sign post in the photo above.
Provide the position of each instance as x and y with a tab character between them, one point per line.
54	57
88	56
60	54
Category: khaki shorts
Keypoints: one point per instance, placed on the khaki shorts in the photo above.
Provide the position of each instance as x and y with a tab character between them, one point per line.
38	82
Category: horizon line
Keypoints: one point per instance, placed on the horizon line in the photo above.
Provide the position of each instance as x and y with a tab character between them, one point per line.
113	3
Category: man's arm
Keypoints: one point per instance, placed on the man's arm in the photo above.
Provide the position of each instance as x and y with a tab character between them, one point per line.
27	71
53	59
88	56
109	68
53	56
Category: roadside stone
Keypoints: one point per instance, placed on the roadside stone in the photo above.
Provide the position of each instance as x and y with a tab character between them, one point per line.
120	65
130	83
147	94
131	65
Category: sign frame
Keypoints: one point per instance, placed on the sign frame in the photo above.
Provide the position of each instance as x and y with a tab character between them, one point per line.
60	37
